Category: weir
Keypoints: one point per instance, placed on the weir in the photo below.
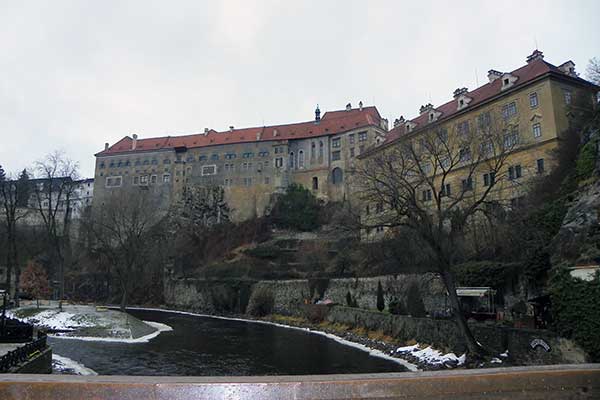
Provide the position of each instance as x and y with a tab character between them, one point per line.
542	382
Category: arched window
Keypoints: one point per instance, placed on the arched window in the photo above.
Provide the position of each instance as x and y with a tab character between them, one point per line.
301	159
313	151
292	160
337	176
315	183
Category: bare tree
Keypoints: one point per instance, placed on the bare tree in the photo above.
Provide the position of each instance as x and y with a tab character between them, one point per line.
425	184
10	194
53	191
123	228
593	71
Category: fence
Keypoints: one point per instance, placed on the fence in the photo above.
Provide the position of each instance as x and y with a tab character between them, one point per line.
22	354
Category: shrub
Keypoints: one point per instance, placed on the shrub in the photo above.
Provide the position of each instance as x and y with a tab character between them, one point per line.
396	307
262	302
380	300
297	209
348	299
414	301
586	160
315	313
575	309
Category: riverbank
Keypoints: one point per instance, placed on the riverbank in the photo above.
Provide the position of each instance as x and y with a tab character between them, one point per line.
83	322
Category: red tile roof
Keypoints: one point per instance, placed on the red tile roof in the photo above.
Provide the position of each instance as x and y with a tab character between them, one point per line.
525	74
331	123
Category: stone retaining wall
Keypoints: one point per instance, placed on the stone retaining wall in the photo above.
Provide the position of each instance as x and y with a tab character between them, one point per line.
443	334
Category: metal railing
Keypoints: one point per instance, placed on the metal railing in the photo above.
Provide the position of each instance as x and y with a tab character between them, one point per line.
22	353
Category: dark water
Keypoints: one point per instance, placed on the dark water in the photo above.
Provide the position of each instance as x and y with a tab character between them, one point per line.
209	346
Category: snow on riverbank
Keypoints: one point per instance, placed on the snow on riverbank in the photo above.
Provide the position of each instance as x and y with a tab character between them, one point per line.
144	339
66	366
56	320
431	356
374	352
80	322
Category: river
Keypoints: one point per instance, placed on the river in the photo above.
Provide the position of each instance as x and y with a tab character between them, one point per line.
202	346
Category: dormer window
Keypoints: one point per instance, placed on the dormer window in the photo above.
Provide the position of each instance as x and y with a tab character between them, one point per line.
508	81
431	117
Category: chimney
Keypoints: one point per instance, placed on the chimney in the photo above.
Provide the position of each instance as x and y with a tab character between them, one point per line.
230	128
425	108
536	55
105	146
134	141
348	107
275	132
360	105
460	91
258	135
493	75
317	114
206	131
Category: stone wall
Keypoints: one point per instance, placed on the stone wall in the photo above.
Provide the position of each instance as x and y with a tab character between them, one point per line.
201	295
444	334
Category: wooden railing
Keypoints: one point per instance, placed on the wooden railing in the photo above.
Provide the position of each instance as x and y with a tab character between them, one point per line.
547	382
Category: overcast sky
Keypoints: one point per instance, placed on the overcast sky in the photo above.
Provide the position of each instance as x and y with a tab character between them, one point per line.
76	74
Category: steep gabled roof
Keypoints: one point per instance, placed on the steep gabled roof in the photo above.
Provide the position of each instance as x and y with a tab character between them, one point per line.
331	123
525	74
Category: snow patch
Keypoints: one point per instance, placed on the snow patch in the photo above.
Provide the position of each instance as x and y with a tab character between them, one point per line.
496	360
431	356
65	365
372	352
142	339
56	320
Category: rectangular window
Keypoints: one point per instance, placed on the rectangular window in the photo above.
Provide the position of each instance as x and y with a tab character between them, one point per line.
267	180
537	130
567	96
465	154
214	157
336	143
136	180
351	138
514	172
153	179
209	170
442	135
426	195
467	184
144	180
484	120
533	100
114	181
335	155
511	139
166	178
248	155
540	166
227	182
489	179
362	136
230	156
352	154
279	162
463	129
509	110
445	190
247	181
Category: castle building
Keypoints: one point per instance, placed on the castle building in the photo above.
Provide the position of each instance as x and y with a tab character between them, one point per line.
531	106
251	164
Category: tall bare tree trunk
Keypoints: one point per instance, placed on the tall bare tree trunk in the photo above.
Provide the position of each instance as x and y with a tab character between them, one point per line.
475	349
